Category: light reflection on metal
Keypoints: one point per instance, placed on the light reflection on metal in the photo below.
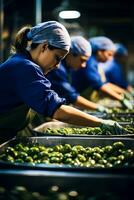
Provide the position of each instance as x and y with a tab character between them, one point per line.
38	11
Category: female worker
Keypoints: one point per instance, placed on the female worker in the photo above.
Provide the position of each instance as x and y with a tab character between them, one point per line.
92	76
80	52
23	84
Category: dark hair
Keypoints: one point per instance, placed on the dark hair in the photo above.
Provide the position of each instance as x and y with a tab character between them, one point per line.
21	40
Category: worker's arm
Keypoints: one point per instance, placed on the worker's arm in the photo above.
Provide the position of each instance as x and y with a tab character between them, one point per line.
74	116
83	103
107	89
117	88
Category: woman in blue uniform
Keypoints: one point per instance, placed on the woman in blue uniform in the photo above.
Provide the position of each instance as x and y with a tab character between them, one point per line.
92	76
23	85
79	53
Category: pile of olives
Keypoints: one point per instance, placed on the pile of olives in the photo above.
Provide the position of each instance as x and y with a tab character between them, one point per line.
119	110
83	131
73	131
53	193
121	115
120	118
115	155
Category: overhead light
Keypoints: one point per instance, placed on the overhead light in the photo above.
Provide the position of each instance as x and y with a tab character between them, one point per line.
69	14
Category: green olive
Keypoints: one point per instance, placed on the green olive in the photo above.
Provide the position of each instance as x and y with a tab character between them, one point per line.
99	165
112	159
103	161
96	156
37	161
108	165
42	148
108	149
81	158
43	154
19	160
121	157
19	147
74	153
129	154
55	160
35	157
80	149
67	148
29	159
86	164
77	162
10	158
45	161
91	162
33	150
89	152
67	155
58	148
22	155
69	161
118	145
26	149
49	149
97	150
117	163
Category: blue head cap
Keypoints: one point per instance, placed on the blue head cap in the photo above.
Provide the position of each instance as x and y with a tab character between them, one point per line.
51	32
80	46
121	50
101	43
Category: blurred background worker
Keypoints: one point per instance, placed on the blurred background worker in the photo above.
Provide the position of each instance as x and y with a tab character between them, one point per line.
92	77
80	52
115	69
24	89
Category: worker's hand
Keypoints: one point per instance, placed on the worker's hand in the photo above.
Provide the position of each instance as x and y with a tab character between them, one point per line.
132	92
126	103
112	126
102	109
128	96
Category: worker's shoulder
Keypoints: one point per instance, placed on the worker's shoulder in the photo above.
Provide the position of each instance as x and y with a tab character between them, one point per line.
22	61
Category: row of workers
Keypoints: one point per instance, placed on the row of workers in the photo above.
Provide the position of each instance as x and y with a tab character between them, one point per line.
24	88
83	65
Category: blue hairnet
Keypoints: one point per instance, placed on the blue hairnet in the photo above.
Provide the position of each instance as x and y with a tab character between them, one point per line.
52	32
121	49
101	43
80	46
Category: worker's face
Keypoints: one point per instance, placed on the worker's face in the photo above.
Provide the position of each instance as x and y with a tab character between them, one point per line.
49	59
105	55
78	61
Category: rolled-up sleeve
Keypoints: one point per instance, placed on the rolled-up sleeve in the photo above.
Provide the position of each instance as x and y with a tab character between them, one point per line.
35	90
